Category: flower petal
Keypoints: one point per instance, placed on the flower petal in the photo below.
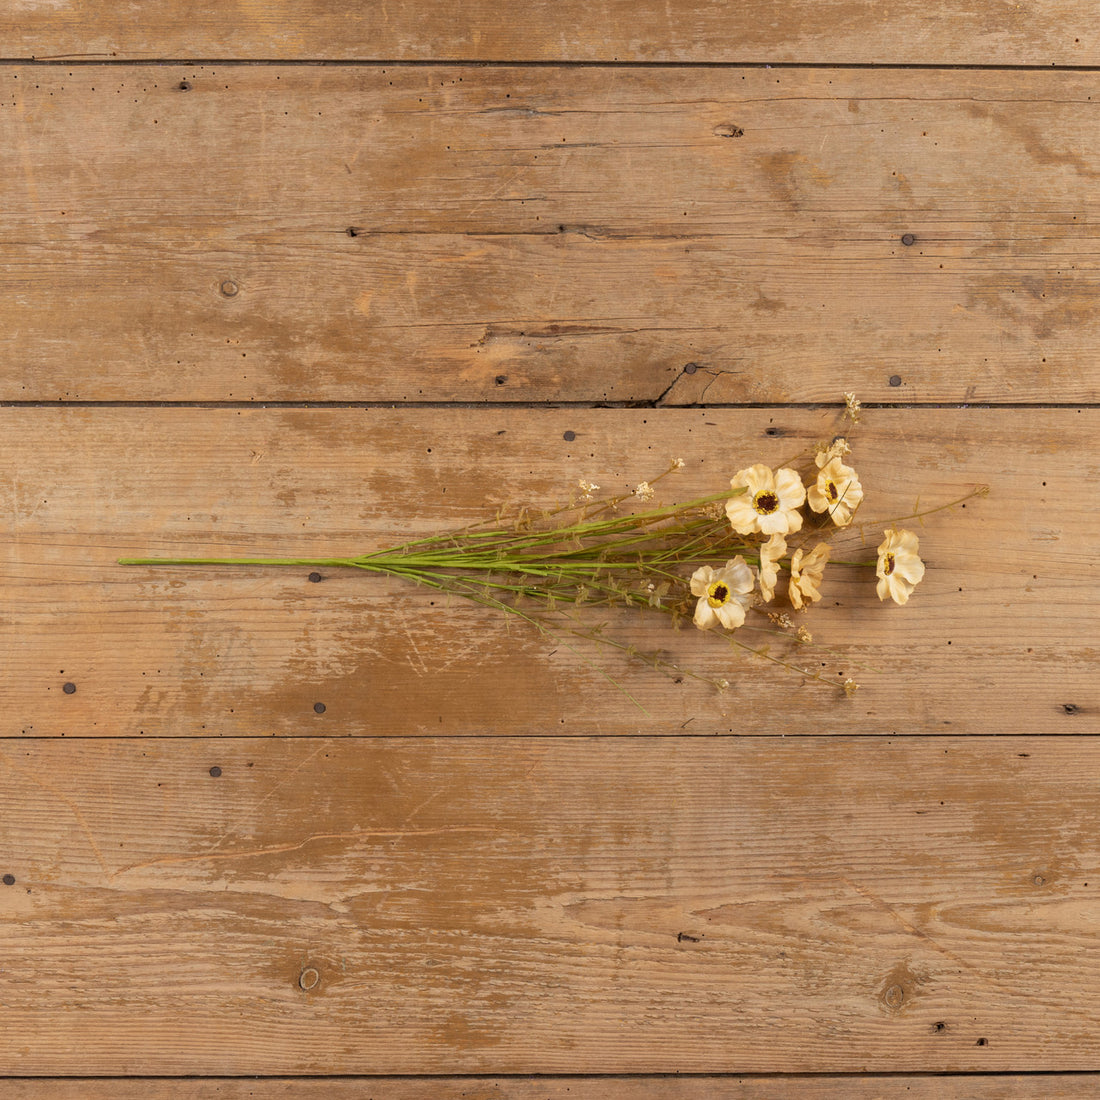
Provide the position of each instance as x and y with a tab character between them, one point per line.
755	478
792	493
741	514
701	580
705	617
731	614
738	575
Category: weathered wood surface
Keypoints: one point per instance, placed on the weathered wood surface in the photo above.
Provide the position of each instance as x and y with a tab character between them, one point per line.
527	234
570	905
1001	637
1043	33
634	1087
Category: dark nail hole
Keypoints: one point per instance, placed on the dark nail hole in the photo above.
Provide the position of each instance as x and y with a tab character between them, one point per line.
569	436
9	880
70	689
1070	708
319	708
895	380
907	239
982	1043
215	771
184	86
774	432
729	131
939	1027
501	379
354	231
315	578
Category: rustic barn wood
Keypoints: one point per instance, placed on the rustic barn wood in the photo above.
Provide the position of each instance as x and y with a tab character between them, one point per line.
1000	637
312	278
435	906
1080	1086
462	233
1047	32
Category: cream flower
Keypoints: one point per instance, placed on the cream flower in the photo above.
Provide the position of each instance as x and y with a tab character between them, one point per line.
837	492
724	594
644	491
770	553
769	505
899	568
806	574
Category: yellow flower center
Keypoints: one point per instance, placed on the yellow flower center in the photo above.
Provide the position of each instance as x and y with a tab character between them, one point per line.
718	594
765	502
888	564
830	488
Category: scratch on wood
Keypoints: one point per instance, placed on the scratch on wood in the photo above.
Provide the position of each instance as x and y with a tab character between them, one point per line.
278	849
911	928
73	807
288	777
691	368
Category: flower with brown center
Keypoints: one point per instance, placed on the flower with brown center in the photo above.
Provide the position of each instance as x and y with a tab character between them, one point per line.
837	491
899	568
769	502
806	572
724	594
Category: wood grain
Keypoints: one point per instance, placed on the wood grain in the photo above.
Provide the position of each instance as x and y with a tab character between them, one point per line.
634	1087
607	905
1043	33
1001	637
461	233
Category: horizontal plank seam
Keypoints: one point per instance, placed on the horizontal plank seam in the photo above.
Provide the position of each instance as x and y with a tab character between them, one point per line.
672	1076
968	738
641	403
536	63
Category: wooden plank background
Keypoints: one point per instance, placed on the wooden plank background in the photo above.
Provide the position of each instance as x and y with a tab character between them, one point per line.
636	1087
311	279
573	905
252	650
461	233
1048	32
